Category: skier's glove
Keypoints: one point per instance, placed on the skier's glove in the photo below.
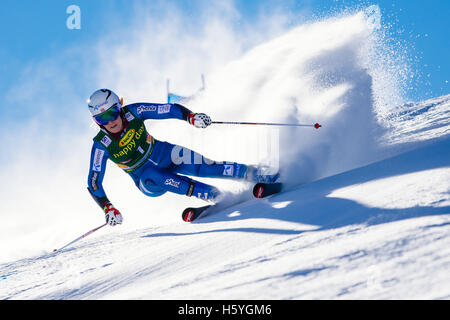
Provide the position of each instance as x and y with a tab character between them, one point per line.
112	215
199	120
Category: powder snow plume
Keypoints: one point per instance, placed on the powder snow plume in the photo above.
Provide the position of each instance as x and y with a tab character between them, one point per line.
337	71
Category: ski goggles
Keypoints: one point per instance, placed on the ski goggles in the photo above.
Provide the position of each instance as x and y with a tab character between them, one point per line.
109	115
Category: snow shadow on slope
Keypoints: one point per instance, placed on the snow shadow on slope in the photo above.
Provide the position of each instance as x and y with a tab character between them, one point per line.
312	205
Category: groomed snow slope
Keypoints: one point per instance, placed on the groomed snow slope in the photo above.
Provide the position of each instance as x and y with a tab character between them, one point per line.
372	223
377	232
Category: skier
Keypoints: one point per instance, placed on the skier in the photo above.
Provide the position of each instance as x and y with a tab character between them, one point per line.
155	166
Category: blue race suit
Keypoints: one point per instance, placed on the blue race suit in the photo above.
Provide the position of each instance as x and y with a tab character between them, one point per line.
165	165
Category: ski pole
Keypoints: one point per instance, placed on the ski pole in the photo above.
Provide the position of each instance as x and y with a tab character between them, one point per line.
316	125
79	238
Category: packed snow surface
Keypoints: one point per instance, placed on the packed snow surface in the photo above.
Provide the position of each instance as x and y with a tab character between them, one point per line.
365	214
376	232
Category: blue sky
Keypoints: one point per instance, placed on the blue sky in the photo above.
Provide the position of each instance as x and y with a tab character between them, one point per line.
36	30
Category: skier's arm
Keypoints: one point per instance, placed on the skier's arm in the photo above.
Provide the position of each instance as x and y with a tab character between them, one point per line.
97	168
160	111
170	111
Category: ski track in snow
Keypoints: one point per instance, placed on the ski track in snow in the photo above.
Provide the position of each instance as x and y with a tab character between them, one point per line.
380	229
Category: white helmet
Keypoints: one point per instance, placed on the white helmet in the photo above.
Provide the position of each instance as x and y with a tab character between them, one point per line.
101	100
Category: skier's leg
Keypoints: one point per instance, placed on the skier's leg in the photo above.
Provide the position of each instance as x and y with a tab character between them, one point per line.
154	181
182	160
186	161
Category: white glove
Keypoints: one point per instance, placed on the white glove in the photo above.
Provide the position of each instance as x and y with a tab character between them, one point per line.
199	120
112	215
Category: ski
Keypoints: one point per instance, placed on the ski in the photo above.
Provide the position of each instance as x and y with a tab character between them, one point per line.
191	214
262	190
